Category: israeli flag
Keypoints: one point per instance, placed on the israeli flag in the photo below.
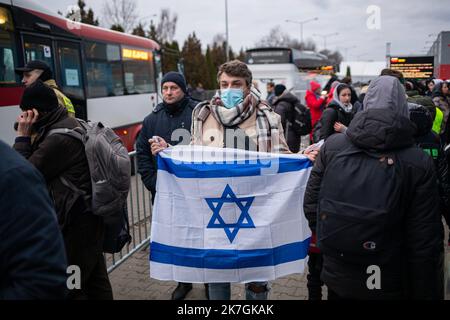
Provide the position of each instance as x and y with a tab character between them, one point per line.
227	215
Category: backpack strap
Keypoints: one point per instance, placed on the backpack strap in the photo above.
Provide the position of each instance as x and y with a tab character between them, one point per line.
72	187
76	133
78	192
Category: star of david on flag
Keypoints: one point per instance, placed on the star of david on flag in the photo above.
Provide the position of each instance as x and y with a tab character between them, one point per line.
217	221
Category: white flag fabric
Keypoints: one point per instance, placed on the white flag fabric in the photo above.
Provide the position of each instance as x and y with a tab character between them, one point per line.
228	215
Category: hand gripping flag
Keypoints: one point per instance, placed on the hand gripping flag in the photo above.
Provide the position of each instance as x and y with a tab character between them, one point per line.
227	215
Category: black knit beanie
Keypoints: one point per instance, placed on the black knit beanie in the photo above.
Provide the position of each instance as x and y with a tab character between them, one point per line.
40	97
279	89
176	78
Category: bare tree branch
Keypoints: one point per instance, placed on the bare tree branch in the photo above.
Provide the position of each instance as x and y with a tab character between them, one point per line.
121	13
278	38
167	26
275	38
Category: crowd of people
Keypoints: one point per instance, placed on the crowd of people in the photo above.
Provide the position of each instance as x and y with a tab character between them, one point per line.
377	196
405	123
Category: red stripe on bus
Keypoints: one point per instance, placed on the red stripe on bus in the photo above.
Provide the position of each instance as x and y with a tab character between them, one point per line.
96	33
10	96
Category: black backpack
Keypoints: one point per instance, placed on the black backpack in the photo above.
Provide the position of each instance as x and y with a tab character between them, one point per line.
316	132
110	168
359	200
117	233
301	120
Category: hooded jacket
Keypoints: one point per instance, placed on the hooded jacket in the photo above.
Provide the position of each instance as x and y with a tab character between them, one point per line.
332	90
314	103
387	92
414	270
335	112
284	105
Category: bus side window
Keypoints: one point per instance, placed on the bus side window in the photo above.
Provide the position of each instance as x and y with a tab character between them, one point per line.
70	65
139	71
8	57
104	70
39	48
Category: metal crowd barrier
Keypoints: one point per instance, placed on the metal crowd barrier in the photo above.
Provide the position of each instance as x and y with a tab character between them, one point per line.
139	216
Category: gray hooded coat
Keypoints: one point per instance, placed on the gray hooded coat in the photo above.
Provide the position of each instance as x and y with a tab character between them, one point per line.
414	267
387	92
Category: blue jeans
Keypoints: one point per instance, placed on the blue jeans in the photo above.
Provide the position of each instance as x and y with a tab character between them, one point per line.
222	291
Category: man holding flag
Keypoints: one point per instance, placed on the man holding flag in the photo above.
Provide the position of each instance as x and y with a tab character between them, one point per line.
236	118
173	114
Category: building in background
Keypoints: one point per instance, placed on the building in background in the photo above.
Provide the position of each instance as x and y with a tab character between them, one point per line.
441	52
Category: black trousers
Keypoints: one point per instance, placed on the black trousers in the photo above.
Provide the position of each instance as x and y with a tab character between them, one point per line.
314	283
95	283
84	248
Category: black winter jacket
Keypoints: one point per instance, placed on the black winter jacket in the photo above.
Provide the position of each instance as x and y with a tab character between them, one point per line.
332	114
61	155
285	107
161	122
32	258
414	269
431	144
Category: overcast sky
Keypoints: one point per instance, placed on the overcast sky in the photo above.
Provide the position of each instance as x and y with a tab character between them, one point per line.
406	24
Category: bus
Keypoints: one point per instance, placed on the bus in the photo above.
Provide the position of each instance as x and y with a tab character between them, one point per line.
110	76
293	68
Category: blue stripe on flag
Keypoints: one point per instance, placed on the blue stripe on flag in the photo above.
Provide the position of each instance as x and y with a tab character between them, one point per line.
225	170
228	259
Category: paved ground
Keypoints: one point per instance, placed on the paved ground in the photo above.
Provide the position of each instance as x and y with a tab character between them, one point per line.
131	281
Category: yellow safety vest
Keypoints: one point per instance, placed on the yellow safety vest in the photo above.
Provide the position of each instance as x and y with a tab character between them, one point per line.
62	99
437	124
68	104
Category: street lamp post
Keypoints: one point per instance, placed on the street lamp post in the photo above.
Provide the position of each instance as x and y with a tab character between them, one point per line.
301	23
388	54
325	36
227	34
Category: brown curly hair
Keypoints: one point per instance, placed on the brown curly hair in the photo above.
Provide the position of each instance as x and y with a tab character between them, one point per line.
236	68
